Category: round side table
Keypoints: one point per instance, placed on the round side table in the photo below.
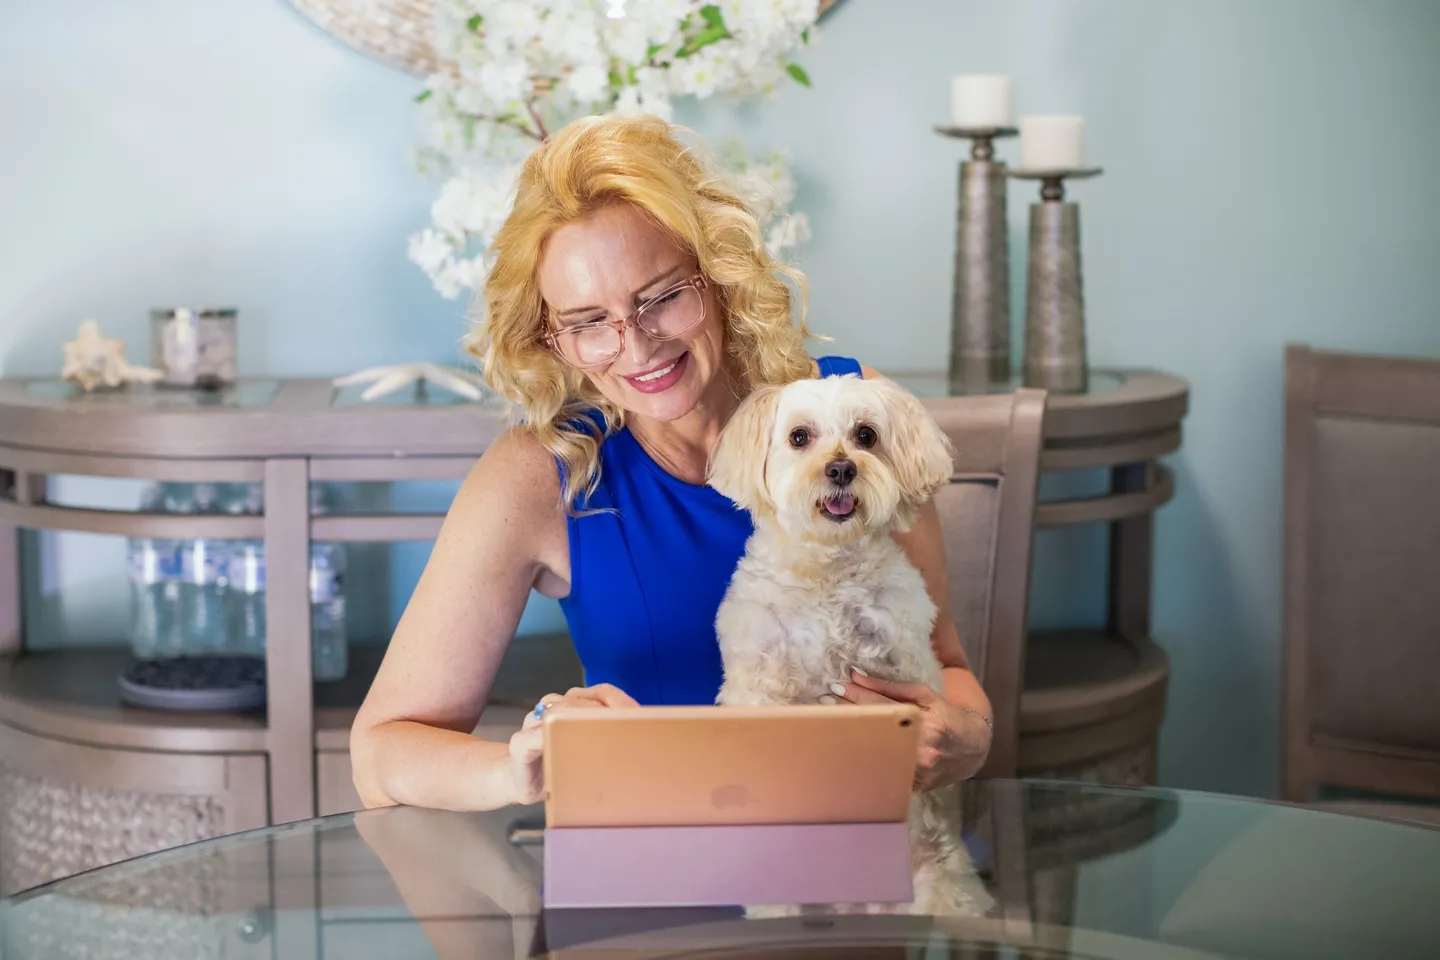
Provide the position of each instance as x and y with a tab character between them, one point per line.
1094	698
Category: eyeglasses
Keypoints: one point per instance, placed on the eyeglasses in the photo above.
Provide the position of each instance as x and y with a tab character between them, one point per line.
665	316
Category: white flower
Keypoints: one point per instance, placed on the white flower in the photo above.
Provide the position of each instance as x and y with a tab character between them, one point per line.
788	231
629	101
697	75
575	39
457	276
657	103
627	40
517	20
654	90
657	13
468	98
430	249
589	83
774	173
766	185
449	212
504	82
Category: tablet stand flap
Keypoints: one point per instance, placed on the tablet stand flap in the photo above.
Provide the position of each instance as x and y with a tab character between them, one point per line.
736	865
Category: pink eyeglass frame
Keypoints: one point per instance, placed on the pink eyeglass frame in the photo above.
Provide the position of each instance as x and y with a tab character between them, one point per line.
697	280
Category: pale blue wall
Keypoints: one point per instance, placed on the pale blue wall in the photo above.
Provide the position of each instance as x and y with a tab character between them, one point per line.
1269	177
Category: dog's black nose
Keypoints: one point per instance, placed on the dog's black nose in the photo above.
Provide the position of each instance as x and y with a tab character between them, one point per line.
840	472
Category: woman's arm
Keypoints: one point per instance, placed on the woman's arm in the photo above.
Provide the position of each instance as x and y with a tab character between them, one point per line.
956	722
924	545
411	742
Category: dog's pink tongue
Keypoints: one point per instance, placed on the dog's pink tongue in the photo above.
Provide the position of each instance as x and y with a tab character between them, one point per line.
840	506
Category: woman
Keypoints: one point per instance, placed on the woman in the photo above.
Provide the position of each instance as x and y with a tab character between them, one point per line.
630	306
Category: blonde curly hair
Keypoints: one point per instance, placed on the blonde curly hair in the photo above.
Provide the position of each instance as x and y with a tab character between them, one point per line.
639	160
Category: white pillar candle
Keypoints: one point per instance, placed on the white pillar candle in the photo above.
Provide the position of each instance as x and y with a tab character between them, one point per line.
980	100
1051	143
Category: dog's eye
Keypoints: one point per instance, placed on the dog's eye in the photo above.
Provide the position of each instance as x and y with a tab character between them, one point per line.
866	436
799	437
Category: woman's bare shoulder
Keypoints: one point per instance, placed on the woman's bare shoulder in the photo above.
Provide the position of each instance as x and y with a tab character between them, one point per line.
508	509
517	468
517	448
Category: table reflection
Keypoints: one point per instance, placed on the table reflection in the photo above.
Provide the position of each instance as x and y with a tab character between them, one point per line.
473	885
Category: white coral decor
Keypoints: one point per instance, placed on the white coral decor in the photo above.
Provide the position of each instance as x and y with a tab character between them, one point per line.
98	362
518	69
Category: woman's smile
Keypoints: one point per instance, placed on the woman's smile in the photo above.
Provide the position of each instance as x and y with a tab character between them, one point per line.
662	377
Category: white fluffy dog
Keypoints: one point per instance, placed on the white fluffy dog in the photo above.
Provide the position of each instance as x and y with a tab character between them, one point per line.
828	469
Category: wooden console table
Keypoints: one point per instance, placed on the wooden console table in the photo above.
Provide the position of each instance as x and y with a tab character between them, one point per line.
86	780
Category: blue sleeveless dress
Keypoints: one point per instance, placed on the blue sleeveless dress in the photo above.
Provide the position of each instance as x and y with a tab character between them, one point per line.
647	580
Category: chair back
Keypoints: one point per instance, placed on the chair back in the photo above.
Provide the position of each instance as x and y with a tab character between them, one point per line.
1362	574
987	518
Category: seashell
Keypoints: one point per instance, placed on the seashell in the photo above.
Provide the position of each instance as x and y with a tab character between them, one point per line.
96	362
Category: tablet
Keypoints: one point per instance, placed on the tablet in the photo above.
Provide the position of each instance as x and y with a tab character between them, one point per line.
705	766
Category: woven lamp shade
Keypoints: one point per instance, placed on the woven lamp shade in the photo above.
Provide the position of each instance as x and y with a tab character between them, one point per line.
397	32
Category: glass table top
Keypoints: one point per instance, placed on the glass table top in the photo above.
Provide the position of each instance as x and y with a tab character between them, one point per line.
1060	870
419	394
244	395
935	386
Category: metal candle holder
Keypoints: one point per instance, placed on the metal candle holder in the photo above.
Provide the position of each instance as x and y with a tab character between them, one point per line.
1054	290
980	311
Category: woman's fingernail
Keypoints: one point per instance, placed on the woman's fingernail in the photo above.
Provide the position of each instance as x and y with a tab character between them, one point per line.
838	689
861	672
828	700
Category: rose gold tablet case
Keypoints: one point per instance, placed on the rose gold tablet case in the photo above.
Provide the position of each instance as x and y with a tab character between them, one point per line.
702	766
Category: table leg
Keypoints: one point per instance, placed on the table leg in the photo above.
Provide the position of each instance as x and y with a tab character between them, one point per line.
25	488
1128	607
290	710
11	609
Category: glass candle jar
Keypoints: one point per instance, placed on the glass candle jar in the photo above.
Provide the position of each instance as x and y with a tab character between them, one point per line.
194	347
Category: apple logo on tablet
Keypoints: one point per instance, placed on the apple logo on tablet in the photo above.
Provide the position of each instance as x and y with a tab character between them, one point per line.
731	795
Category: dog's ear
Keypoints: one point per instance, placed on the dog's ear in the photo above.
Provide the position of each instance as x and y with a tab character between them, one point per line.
737	464
919	452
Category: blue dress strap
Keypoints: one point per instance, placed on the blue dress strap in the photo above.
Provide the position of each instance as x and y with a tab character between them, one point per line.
838	366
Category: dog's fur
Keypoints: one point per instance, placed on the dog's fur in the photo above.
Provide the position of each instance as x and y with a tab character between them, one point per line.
824	590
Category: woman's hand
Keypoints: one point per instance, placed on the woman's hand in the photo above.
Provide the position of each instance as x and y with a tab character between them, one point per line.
954	741
527	748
